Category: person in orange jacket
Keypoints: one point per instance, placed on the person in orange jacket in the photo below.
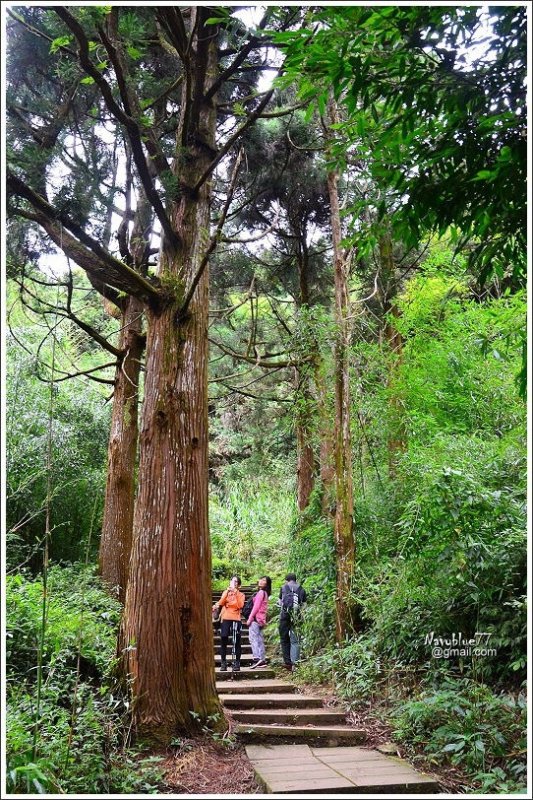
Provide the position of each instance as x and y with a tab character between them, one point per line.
231	603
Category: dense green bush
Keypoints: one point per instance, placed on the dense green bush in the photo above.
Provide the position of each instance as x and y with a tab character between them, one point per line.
440	530
466	724
356	669
80	430
77	743
80	619
311	557
458	561
250	521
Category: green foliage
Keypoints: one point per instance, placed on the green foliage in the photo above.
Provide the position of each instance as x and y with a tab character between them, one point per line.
80	618
469	726
82	729
455	559
440	531
312	558
355	669
442	539
249	528
80	430
447	123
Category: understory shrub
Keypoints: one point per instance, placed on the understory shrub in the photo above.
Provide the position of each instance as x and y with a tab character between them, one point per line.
312	558
459	558
466	724
78	741
249	522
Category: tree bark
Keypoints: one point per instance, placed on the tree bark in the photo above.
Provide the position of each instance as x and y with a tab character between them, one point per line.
305	470
327	439
344	535
117	523
166	635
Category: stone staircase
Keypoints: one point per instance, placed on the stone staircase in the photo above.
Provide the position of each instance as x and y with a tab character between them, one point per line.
297	746
263	707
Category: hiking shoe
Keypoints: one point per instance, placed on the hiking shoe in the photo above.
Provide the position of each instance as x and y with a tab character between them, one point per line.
260	663
236	666
288	667
223	666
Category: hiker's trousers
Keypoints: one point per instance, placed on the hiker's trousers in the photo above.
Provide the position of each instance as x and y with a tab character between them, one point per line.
290	647
230	629
257	642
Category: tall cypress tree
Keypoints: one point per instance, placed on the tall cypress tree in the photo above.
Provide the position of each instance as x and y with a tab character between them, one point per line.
163	78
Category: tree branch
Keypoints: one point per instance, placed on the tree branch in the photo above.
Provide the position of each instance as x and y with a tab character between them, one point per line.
67	313
131	125
13	14
214	240
257	361
236	63
105	269
231	141
129	98
87	372
92	332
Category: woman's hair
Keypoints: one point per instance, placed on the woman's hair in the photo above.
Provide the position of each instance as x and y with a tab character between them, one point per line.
237	579
268	587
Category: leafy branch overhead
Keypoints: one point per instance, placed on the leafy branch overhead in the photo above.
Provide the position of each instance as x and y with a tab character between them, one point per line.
447	125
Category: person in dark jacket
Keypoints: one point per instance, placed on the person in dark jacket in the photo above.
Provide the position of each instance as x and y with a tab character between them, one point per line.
291	598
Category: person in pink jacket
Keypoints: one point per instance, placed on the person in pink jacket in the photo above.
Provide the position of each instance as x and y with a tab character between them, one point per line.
257	621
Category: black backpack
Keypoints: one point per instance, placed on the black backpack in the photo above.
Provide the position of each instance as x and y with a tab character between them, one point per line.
247	607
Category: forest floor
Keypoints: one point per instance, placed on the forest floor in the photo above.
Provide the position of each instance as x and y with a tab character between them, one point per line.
205	765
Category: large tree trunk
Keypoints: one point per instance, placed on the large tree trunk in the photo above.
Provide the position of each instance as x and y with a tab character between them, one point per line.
166	635
344	534
117	523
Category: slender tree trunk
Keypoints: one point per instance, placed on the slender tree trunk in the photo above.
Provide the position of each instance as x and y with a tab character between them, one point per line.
344	534
304	445
397	436
166	634
117	523
303	423
326	421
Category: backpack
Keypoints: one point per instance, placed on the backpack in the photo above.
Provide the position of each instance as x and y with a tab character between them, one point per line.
247	607
290	599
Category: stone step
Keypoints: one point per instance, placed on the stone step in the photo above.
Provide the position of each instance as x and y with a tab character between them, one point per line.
327	735
290	716
246	649
299	769
245	674
246	660
256	686
272	700
245	631
245	642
